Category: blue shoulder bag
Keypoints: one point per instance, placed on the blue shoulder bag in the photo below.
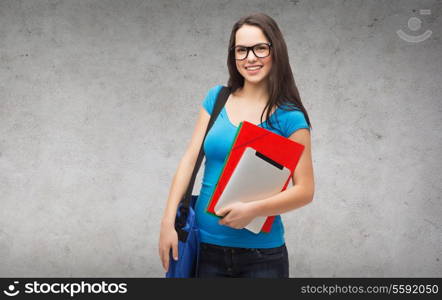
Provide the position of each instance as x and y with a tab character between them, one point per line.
185	222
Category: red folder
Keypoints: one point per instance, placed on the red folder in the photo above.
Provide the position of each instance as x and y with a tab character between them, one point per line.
282	150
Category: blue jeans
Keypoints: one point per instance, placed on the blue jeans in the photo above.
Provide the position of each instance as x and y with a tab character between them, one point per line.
220	261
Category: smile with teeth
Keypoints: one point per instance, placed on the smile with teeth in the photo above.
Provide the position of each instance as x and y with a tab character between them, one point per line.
253	68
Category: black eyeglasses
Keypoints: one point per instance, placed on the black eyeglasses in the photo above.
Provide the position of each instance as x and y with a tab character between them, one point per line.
260	50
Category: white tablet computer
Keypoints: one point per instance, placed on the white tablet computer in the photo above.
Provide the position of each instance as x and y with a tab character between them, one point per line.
255	177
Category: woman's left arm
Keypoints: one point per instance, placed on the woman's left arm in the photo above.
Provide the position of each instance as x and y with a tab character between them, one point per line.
301	193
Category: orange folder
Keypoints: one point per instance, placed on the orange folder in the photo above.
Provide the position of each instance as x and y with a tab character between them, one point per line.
280	149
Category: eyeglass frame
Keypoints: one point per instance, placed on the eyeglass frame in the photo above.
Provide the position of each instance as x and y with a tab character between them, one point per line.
251	48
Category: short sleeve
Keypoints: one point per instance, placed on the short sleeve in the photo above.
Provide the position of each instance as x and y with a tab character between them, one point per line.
209	101
293	121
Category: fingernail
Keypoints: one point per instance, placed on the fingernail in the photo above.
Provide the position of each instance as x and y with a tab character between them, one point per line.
175	258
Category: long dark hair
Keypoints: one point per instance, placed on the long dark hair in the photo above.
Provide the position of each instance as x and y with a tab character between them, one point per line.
282	87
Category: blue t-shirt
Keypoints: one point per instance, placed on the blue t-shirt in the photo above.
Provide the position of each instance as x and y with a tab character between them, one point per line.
216	147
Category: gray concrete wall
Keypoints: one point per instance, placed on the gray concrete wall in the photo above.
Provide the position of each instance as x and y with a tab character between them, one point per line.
98	100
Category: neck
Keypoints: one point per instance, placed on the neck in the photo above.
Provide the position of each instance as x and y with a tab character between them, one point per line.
255	92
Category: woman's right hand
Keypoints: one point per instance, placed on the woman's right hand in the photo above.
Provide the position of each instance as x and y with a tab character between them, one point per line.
168	239
168	234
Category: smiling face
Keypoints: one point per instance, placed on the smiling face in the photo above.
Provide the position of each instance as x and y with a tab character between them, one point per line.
248	36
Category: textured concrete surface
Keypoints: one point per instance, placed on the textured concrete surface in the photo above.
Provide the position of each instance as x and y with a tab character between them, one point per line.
98	100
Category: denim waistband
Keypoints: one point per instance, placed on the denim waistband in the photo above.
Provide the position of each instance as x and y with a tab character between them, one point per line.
219	248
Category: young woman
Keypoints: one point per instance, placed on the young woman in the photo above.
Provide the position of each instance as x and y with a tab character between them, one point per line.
261	81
